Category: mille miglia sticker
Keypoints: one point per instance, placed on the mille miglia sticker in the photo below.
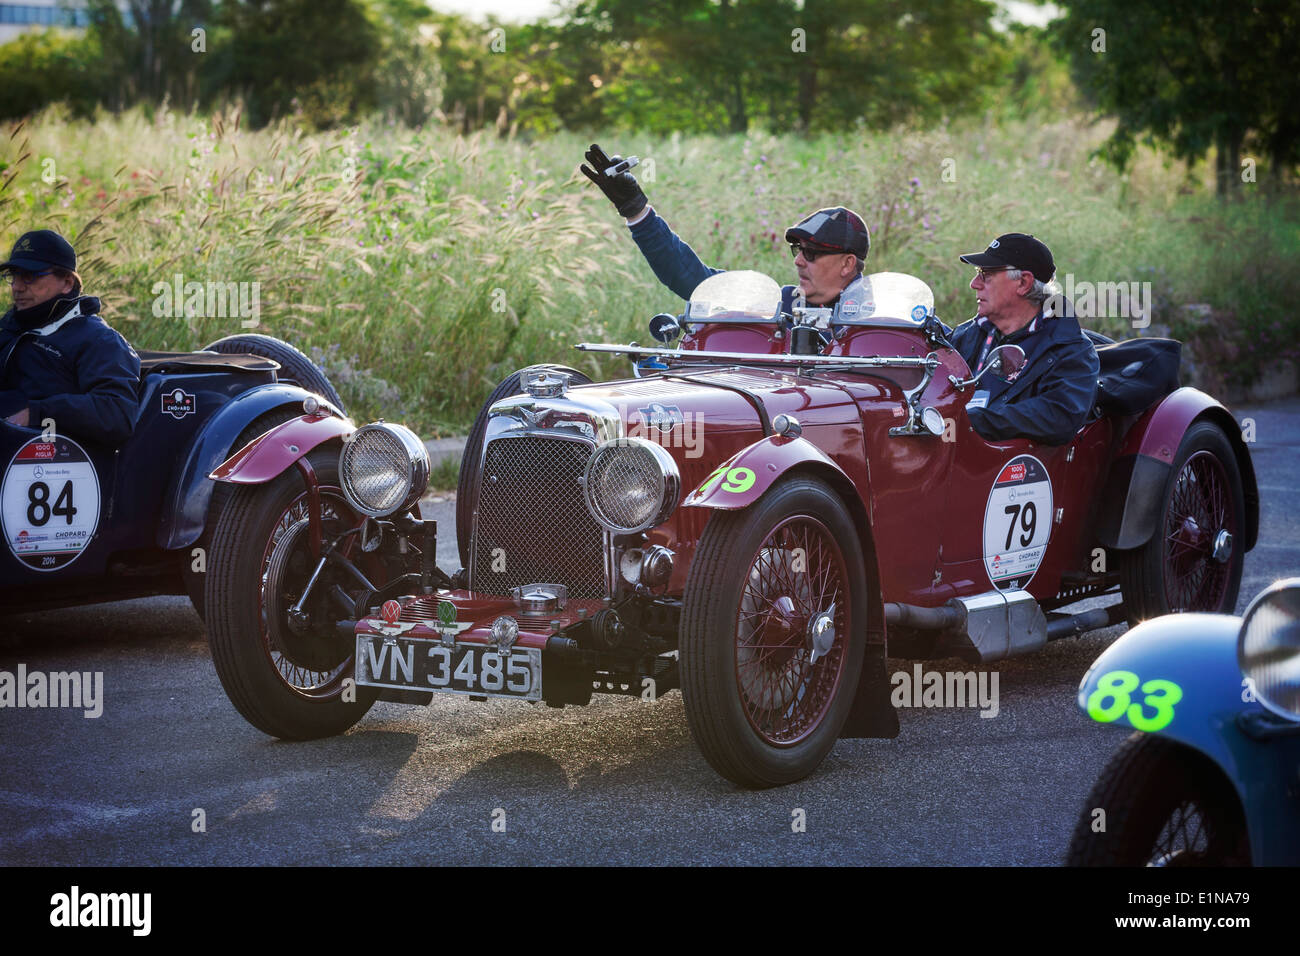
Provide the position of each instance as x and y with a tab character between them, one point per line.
49	503
1017	522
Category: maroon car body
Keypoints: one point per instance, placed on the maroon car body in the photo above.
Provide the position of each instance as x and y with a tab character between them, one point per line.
756	520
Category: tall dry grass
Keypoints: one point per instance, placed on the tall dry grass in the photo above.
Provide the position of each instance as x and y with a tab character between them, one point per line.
420	266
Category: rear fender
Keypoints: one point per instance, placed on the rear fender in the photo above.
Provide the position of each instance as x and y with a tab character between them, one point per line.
190	492
1136	482
1189	689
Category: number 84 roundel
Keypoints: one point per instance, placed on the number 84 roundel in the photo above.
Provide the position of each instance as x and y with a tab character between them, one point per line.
49	503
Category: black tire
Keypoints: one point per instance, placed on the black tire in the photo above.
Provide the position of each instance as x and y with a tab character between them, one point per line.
467	480
1165	805
747	561
286	684
221	491
1176	570
295	367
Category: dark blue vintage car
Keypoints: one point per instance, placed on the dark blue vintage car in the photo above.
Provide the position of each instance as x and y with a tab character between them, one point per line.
85	521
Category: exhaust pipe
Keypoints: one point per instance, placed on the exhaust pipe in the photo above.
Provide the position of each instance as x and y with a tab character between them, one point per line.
998	624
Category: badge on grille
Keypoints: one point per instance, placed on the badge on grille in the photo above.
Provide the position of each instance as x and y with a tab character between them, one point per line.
447	613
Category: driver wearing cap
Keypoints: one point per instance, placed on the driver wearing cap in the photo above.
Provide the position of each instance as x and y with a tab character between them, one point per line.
1014	294
58	359
829	246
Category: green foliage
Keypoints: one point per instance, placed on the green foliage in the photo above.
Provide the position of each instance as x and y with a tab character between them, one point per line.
50	66
1192	75
1036	79
714	65
648	65
151	59
307	57
408	77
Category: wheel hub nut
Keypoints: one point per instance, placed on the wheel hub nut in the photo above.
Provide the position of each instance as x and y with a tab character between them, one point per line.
1223	547
821	634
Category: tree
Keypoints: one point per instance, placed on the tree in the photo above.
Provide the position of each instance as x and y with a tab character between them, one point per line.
819	64
408	77
148	54
48	66
1191	74
723	57
315	55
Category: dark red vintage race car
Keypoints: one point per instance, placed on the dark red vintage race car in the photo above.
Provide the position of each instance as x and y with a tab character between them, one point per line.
755	519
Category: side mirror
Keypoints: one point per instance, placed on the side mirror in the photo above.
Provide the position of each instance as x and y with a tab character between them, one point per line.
665	328
1005	361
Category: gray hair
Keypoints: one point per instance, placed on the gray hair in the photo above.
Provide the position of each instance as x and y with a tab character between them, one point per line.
1041	291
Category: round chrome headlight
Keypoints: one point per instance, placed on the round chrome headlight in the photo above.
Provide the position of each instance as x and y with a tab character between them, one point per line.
384	469
631	484
1268	647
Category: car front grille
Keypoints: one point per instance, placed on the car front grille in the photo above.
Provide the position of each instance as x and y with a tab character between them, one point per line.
532	524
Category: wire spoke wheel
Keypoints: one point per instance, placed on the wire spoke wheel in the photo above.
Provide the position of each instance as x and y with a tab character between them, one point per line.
798	573
773	633
1194	558
312	663
1199	510
1163	804
1184	838
286	669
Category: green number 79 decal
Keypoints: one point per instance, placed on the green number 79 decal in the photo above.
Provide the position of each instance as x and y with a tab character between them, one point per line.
737	480
1113	699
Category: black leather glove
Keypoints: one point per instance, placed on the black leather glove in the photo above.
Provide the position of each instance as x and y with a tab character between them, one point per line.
936	333
623	190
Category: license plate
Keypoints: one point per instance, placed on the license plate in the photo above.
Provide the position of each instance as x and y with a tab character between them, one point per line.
479	669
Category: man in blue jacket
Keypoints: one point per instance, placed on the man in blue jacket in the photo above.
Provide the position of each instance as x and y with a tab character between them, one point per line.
1050	398
829	246
58	359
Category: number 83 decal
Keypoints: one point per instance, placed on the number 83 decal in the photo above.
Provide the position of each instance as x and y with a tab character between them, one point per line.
1113	699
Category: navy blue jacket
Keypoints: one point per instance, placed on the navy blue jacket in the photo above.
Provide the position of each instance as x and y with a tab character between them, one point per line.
675	264
74	369
1051	397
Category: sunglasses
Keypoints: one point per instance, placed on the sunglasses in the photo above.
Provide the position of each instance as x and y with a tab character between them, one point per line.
25	277
987	274
810	253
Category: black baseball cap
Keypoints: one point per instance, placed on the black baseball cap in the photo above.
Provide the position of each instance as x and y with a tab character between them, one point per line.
35	251
835	229
1019	251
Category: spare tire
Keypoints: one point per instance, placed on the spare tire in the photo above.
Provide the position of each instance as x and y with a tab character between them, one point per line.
295	367
467	482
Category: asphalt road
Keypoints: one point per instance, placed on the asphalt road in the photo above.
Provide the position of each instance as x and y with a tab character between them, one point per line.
619	781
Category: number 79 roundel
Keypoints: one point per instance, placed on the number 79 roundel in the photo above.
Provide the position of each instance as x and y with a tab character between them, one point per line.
49	503
1017	522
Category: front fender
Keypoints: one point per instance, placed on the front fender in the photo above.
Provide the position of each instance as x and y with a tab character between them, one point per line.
1197	654
267	456
743	478
190	492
